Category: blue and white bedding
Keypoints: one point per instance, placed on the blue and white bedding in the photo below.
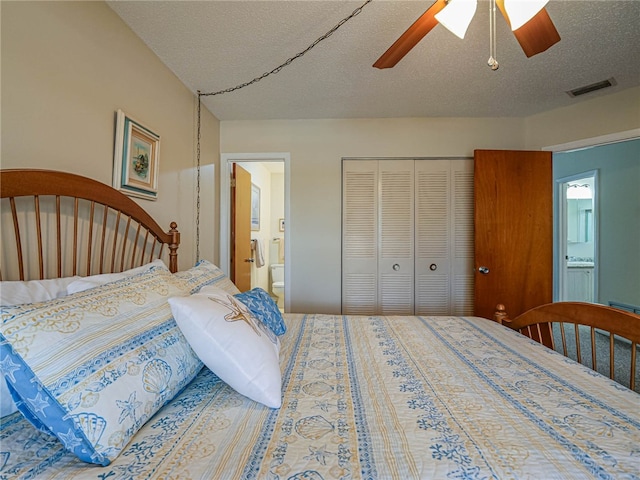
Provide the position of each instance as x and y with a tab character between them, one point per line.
376	398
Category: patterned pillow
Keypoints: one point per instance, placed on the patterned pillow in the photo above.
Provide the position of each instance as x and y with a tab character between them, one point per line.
17	293
91	368
206	273
234	344
85	283
263	307
7	405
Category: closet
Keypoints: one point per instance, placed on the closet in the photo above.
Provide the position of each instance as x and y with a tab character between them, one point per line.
407	237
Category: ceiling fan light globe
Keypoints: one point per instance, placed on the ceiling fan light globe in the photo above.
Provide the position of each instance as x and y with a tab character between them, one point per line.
521	11
457	15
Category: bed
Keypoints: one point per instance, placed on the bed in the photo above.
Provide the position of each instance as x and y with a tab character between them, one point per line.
369	397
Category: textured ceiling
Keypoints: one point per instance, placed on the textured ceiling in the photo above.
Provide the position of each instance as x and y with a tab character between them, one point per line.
215	45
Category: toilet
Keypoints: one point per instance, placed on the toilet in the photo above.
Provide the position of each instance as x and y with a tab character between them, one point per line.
277	283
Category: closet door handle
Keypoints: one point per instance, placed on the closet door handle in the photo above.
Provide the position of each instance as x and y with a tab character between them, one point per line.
483	270
396	266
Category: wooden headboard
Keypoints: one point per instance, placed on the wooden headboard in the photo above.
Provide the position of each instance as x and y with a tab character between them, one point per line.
56	224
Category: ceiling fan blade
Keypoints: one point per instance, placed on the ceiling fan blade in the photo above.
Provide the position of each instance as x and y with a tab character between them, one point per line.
535	36
416	32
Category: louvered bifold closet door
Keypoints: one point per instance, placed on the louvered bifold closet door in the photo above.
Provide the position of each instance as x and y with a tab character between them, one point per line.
396	242
359	237
433	295
444	237
462	241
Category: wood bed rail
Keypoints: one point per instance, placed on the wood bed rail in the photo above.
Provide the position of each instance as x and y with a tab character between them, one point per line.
538	324
61	224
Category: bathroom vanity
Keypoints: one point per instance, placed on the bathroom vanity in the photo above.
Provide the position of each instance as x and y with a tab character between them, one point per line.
580	281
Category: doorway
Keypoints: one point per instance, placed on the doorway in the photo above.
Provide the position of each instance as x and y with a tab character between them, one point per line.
578	259
271	228
617	232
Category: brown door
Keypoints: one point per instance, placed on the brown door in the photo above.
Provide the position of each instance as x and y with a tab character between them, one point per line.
513	230
241	228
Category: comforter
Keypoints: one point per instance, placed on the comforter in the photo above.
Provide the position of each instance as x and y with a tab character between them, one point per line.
377	398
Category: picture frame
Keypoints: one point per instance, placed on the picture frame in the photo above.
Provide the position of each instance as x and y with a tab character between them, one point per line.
255	207
136	158
281	224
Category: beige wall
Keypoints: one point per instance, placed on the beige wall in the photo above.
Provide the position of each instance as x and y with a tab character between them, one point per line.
604	115
66	68
317	147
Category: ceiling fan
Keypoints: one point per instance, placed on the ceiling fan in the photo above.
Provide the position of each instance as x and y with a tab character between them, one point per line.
535	34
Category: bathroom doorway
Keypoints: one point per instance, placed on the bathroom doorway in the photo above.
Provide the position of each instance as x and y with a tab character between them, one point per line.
269	237
617	198
578	258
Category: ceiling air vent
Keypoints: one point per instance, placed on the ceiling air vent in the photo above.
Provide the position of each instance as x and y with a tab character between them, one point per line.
576	92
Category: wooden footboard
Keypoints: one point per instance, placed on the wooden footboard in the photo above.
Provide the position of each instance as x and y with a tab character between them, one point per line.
548	323
57	224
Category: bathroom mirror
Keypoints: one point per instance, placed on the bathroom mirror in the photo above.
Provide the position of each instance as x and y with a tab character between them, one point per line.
580	196
580	220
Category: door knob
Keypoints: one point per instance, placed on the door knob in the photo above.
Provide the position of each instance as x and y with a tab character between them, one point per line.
250	260
396	267
483	270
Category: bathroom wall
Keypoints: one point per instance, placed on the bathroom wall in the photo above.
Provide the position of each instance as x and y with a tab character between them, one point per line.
277	213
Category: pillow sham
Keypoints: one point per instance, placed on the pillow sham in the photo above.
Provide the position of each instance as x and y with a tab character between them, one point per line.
206	273
31	291
264	308
91	368
232	343
21	292
85	283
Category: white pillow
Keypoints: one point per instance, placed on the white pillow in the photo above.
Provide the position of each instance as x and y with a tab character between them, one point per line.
233	343
85	283
32	291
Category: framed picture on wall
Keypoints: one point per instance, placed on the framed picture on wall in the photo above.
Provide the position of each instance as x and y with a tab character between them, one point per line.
255	207
135	159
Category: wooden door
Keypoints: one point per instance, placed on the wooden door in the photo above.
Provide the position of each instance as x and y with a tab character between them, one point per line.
241	228
513	230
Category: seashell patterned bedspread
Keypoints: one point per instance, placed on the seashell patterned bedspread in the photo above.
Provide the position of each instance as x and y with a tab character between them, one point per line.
377	398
